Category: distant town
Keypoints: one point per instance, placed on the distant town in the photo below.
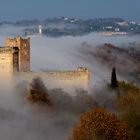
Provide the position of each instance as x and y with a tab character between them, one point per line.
64	26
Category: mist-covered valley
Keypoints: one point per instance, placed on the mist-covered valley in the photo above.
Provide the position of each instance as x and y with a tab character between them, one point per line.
67	53
20	119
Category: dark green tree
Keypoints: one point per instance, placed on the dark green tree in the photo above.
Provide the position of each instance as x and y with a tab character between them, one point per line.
114	83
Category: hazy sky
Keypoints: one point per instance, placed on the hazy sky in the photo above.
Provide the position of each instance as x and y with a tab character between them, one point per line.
13	10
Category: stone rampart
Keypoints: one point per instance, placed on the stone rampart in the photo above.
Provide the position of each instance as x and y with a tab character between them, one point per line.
62	79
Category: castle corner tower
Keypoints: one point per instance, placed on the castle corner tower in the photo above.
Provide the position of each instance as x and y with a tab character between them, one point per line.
21	53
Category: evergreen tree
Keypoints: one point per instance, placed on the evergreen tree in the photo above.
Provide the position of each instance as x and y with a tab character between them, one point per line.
114	83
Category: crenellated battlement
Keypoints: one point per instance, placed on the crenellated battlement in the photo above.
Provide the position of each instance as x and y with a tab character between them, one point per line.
17	42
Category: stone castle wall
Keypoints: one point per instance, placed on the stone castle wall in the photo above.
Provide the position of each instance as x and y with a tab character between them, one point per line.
6	62
62	79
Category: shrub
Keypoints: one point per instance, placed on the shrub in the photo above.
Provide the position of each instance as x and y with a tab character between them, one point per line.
38	92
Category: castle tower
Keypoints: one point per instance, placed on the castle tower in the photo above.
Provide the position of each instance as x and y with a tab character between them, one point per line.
21	53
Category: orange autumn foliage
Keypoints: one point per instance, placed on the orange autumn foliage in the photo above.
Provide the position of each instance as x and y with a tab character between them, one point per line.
99	124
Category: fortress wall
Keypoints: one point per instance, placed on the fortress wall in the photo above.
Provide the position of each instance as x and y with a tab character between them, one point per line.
6	62
68	80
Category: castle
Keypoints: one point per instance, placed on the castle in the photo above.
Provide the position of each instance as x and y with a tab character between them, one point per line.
15	60
15	56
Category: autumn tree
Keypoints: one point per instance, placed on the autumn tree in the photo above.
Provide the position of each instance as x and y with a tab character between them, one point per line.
114	83
129	107
99	124
38	92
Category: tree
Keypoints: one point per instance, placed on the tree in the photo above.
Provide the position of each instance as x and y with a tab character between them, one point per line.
99	124
114	83
129	107
38	92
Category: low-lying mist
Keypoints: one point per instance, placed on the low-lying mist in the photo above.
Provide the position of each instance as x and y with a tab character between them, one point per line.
21	120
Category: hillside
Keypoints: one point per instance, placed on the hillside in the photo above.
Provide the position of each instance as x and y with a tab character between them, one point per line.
125	59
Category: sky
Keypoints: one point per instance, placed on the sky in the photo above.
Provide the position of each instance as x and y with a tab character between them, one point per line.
13	10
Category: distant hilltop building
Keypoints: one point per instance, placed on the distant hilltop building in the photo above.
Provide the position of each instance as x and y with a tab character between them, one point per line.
15	60
40	29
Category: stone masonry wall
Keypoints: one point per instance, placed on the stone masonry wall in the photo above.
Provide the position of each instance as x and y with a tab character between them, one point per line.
6	62
24	51
61	79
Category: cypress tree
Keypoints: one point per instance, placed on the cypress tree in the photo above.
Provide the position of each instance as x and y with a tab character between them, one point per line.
114	83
